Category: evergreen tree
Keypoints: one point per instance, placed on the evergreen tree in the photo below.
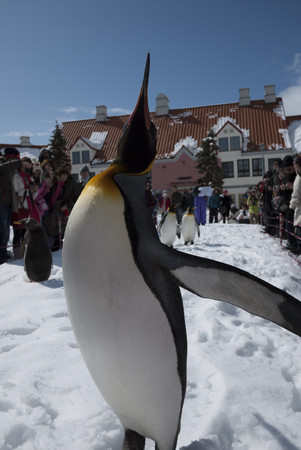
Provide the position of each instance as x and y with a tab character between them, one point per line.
207	163
58	146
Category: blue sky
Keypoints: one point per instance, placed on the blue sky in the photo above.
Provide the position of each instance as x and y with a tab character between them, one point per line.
61	58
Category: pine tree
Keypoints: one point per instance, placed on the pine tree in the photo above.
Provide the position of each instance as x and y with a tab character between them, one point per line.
58	146
207	163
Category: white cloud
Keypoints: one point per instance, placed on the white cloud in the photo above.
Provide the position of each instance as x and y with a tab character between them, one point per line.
118	112
19	133
77	109
292	100
292	95
296	66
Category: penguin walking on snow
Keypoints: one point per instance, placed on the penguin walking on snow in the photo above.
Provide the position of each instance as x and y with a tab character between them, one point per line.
190	226
168	227
37	255
128	315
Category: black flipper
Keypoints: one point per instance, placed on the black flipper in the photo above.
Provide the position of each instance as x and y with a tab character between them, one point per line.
219	281
205	277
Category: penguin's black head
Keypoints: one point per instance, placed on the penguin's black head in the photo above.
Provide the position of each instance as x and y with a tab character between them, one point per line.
31	224
137	148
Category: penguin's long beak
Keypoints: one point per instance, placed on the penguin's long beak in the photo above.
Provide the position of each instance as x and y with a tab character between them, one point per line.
137	148
141	108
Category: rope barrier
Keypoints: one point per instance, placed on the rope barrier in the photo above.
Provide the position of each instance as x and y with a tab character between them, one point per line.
281	226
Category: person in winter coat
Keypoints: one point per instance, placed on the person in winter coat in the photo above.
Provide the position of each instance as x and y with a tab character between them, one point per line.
73	188
164	203
47	169
225	205
58	187
9	164
295	202
85	175
176	202
21	180
214	205
36	172
252	203
286	190
55	224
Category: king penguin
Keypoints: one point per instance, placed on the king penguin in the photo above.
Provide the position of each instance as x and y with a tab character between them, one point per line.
123	297
190	226
37	254
168	227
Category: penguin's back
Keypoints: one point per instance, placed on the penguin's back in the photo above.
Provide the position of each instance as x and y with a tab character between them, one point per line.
123	333
37	256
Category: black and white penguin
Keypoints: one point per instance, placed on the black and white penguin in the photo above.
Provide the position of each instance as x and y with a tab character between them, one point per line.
37	255
123	296
168	227
190	226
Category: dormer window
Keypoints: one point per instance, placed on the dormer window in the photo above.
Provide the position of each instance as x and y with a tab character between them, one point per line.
229	143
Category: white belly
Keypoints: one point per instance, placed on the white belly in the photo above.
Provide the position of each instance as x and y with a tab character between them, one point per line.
123	334
188	228
169	229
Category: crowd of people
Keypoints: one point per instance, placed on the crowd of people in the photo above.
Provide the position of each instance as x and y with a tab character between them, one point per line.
279	192
38	189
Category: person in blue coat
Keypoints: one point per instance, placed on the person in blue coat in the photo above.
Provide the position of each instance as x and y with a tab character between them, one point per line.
214	205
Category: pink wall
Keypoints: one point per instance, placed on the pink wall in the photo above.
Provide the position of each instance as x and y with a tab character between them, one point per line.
179	171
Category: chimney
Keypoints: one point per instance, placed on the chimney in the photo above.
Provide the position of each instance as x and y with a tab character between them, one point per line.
101	113
162	105
25	141
269	93
244	97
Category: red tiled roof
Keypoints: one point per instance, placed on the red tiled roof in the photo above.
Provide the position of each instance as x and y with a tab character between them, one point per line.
262	120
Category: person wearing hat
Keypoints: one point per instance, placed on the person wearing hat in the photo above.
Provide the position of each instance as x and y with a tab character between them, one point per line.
85	175
225	205
214	204
286	190
36	171
9	164
295	203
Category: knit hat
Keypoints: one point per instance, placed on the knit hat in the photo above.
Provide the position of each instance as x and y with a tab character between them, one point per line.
288	161
44	154
85	169
35	165
298	160
11	152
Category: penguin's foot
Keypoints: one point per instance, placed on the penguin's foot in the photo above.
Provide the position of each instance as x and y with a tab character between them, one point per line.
133	441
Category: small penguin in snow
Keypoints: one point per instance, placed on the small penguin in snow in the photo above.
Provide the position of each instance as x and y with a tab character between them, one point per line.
189	226
37	254
168	227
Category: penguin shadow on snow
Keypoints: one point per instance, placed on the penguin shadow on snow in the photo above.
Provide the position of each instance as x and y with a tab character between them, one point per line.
283	441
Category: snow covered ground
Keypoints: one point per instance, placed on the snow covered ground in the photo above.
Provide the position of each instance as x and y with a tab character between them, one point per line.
244	373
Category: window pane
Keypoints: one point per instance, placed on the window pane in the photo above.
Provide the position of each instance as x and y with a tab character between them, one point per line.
235	143
243	168
223	144
228	169
85	156
75	158
257	167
